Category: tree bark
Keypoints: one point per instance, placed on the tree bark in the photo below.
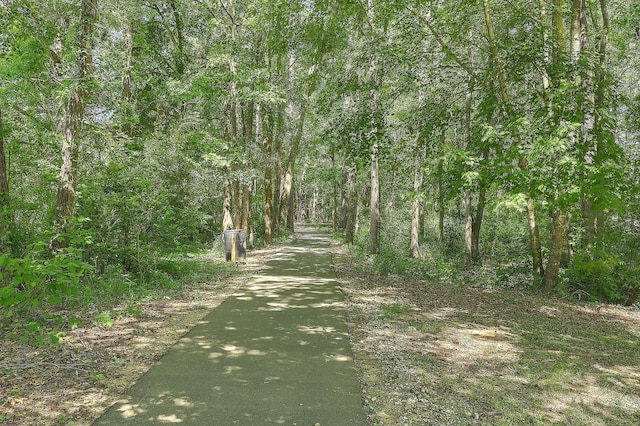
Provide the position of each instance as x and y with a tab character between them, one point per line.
179	38
248	131
127	79
344	199
534	238
601	133
288	179
374	230
335	196
227	219
468	230
278	134
477	225
441	195
468	204
268	176
350	203
375	75
71	124
596	132
417	186
560	226
5	214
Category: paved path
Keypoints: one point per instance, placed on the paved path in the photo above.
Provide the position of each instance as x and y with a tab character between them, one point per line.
276	352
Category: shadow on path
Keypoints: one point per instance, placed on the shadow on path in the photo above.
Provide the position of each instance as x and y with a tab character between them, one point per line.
276	352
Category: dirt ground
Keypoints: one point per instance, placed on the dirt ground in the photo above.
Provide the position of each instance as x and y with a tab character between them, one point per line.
441	354
427	354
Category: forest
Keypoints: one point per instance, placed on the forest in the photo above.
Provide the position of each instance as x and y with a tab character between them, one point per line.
486	142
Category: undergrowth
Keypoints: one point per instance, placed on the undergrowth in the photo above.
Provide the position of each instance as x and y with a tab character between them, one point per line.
45	295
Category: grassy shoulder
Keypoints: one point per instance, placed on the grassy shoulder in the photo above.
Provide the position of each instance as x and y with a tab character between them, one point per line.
65	365
445	354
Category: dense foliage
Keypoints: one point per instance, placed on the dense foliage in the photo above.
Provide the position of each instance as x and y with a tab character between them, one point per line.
491	141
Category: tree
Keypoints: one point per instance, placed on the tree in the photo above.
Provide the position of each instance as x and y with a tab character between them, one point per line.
5	213
73	116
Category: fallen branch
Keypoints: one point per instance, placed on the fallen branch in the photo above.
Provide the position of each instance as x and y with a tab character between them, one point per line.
74	367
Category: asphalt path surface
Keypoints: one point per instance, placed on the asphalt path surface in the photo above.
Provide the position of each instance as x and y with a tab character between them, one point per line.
275	352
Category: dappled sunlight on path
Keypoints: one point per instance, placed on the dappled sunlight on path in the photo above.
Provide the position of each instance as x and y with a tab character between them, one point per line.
276	352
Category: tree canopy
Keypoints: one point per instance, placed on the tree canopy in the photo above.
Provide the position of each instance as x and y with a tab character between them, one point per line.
489	139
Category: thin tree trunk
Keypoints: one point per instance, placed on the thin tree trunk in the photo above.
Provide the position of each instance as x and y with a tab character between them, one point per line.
468	204
278	134
314	204
237	204
71	125
374	230
350	204
344	199
477	225
5	214
301	200
335	196
441	197
248	131
600	131
561	219
468	230
246	208
441	214
127	78
560	227
268	191
179	38
534	238
418	178
375	75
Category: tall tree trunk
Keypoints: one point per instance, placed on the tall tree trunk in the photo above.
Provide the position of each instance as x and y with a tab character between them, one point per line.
344	199
268	177
127	78
467	200
227	219
534	238
559	232
179	37
248	131
5	214
246	208
418	178
314	204
561	219
71	125
237	204
596	131
350	203
374	230
335	196
301	199
477	225
468	230
441	195
602	134
288	179
231	213
278	134
375	74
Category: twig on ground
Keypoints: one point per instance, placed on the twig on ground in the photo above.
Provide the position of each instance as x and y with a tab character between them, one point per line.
74	367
